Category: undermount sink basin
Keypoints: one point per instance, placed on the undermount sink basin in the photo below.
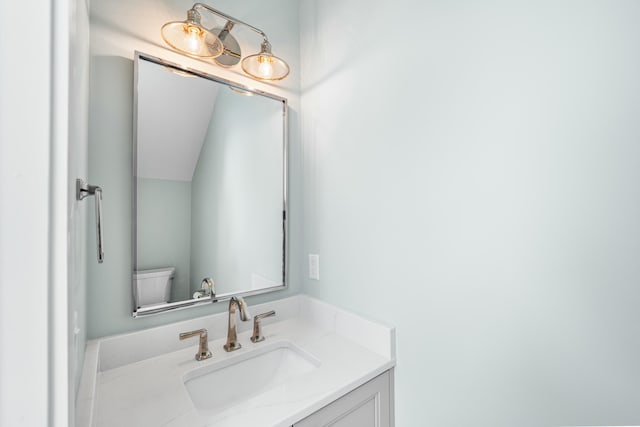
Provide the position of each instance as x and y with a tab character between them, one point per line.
229	382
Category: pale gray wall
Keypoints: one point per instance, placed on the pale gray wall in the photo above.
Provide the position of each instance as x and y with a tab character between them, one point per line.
471	176
110	143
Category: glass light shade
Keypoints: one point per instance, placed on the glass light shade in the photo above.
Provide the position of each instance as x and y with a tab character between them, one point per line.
265	66
190	38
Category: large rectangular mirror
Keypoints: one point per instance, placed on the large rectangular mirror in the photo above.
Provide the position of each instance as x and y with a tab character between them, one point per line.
210	197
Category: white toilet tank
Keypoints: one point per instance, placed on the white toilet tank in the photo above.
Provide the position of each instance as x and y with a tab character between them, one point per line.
153	286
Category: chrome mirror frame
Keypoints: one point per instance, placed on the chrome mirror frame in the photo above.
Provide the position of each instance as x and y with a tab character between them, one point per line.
139	312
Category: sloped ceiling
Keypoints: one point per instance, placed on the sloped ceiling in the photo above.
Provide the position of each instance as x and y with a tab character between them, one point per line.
174	111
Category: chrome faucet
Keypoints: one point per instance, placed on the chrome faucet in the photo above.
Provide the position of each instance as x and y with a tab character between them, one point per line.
207	289
235	303
203	348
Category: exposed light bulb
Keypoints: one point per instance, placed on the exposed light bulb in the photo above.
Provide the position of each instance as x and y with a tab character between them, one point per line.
193	37
265	69
264	65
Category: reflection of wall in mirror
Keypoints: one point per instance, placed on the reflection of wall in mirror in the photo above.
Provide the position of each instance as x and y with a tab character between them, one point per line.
163	224
243	155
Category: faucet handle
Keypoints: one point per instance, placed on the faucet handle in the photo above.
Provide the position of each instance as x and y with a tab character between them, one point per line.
257	326
203	348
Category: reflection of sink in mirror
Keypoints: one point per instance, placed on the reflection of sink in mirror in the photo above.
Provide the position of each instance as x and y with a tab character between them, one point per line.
247	375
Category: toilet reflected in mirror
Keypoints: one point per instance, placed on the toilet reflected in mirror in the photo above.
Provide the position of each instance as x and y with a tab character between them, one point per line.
153	287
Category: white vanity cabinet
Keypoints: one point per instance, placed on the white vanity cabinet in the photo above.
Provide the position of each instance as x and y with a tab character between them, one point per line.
367	406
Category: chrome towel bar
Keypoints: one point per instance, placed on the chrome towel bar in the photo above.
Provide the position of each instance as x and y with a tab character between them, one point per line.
84	190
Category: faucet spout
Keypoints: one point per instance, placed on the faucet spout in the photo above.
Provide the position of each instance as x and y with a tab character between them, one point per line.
243	307
235	304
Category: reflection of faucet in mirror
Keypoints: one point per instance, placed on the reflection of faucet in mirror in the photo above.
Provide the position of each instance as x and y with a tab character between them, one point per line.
235	303
207	290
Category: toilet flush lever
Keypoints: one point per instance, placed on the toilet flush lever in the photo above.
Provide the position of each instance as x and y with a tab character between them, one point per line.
84	190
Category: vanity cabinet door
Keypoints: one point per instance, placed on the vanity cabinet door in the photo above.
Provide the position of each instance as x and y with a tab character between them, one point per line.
367	406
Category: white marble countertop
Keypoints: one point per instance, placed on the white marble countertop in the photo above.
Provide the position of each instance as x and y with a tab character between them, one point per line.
151	392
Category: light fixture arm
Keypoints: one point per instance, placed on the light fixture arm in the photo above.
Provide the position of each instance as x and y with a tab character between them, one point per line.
230	19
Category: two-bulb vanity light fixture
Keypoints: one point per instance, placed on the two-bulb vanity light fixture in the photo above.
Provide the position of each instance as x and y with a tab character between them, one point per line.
191	38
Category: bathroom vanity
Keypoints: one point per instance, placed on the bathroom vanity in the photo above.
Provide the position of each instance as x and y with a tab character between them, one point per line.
317	366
